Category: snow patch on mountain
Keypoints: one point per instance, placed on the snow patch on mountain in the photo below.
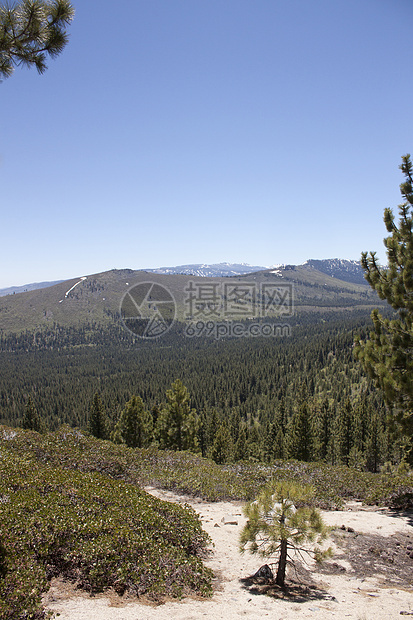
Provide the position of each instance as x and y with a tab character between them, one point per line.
340	268
216	270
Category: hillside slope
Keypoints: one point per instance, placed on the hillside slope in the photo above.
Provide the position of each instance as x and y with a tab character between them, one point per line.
96	299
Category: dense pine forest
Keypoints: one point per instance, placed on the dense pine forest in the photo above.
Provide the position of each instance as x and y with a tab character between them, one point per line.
302	396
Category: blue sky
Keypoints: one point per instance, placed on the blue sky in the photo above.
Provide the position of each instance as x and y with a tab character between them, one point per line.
201	131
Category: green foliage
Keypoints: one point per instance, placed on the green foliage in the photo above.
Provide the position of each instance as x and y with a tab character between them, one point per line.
299	434
32	420
135	425
250	383
98	425
30	30
222	450
178	424
88	527
388	353
194	475
281	523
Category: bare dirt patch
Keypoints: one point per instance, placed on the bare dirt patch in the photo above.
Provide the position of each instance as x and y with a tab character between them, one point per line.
369	577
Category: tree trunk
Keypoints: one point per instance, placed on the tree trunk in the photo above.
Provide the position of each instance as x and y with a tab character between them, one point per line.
282	564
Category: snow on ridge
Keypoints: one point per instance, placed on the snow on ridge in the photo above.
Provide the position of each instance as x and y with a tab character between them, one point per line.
214	270
72	287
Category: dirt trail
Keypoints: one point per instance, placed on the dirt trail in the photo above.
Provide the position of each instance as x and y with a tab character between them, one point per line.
341	592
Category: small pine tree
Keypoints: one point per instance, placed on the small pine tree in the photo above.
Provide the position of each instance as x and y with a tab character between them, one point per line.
97	425
135	425
275	527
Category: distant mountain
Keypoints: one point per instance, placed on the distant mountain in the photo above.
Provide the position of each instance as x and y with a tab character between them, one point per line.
217	270
342	269
316	288
346	270
12	290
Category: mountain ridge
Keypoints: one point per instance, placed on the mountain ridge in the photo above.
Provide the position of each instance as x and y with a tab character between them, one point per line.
96	299
343	269
32	286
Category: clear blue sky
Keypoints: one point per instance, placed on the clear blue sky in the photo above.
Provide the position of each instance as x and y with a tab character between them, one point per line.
200	131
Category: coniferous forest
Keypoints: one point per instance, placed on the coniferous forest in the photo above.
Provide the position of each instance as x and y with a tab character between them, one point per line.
302	396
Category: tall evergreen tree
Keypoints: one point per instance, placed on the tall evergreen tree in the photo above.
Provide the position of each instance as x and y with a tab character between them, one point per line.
254	442
320	429
299	435
178	424
374	452
97	423
211	423
388	353
222	450
274	441
31	29
135	424
32	420
344	430
241	450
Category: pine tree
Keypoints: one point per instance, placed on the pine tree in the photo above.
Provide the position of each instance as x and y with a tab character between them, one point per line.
31	29
357	457
241	450
254	442
178	424
274	440
374	452
276	526
388	354
97	424
222	450
320	430
299	435
344	430
32	420
135	424
212	422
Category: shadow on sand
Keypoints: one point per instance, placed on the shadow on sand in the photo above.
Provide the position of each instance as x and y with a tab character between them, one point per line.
299	589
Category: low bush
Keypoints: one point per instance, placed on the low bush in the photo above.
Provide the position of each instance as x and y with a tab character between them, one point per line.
93	530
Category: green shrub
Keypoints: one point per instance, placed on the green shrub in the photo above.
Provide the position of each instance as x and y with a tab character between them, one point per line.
92	529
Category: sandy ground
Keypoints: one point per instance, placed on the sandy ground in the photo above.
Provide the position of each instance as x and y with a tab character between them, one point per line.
364	589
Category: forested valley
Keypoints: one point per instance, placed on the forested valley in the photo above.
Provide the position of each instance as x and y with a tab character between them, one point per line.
301	397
